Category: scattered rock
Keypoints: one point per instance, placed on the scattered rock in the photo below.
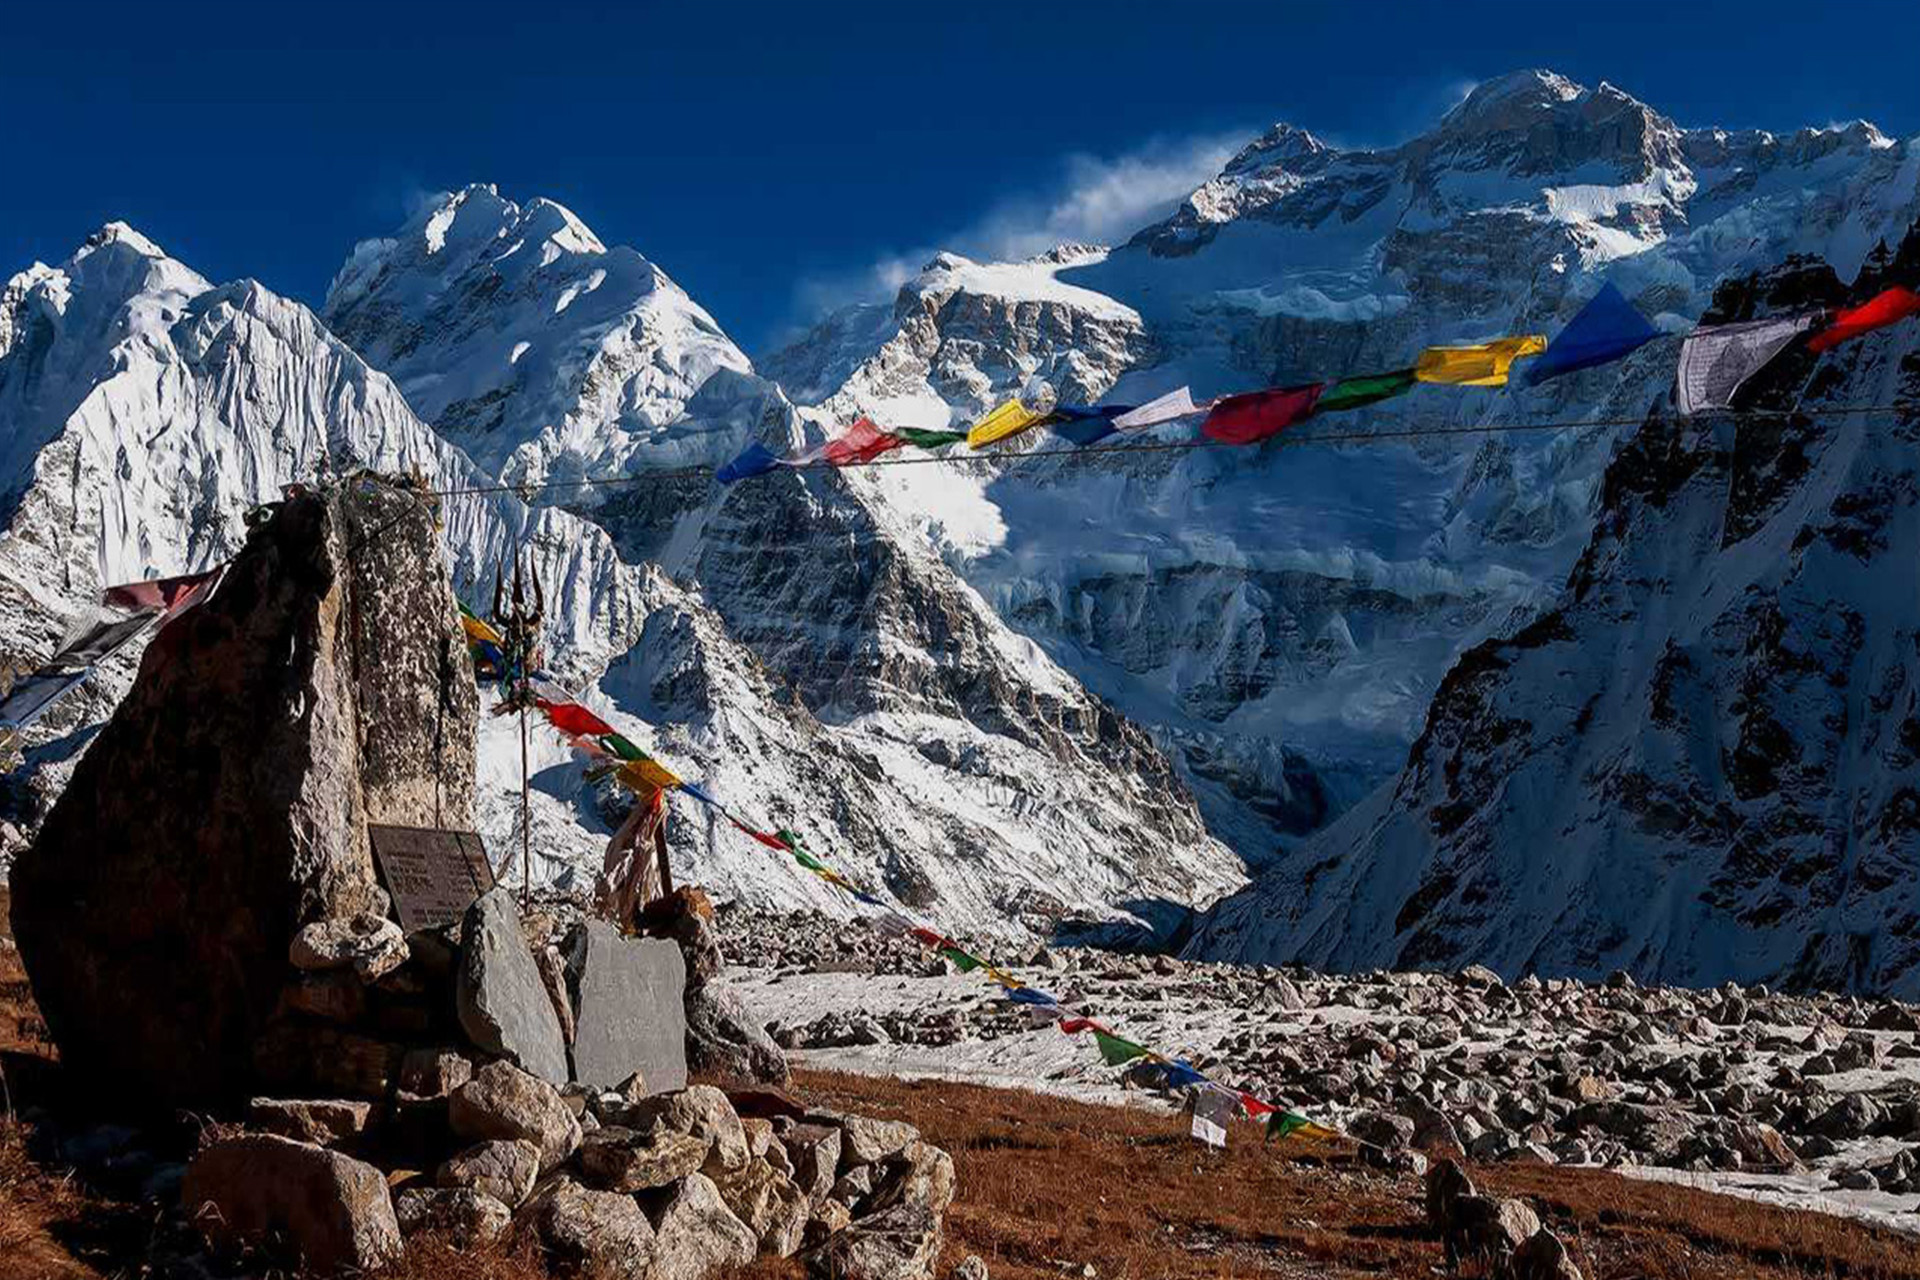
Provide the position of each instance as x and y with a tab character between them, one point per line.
502	1101
372	946
332	1210
590	1233
434	1073
465	1216
503	1169
321	1122
868	1141
696	1234
901	1244
616	1159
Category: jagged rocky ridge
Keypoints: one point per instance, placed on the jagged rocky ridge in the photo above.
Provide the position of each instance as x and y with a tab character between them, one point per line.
1701	762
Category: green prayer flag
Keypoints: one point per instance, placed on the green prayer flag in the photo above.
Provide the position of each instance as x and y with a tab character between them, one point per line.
1285	1123
961	960
807	860
1354	393
621	747
1117	1051
921	438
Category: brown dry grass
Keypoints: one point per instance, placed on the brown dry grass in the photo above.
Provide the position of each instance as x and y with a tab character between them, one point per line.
1050	1186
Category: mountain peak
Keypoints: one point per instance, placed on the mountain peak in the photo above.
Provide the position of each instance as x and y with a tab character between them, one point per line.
1280	146
120	233
1516	92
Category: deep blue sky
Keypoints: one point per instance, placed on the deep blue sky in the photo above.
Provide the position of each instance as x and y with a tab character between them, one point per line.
769	155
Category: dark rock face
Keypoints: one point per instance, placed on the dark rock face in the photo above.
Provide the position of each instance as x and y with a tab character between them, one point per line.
226	804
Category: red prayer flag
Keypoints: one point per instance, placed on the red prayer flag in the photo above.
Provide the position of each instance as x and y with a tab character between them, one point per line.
167	594
572	718
929	938
862	442
1259	414
1889	307
1255	1107
1074	1026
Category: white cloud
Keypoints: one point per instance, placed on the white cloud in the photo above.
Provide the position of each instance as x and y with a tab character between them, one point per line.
1090	199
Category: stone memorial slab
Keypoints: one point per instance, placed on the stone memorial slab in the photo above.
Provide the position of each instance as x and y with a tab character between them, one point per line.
632	1013
434	876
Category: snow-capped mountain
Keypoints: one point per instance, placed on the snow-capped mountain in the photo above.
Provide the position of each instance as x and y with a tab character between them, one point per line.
1703	761
147	411
1281	616
519	336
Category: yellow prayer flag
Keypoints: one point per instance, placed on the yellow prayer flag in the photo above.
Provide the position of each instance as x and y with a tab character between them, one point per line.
1009	419
479	630
647	775
1483	365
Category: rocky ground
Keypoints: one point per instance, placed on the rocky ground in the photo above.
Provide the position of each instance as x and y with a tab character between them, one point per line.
1805	1100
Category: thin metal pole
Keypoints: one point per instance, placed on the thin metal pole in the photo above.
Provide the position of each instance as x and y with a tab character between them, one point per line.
526	819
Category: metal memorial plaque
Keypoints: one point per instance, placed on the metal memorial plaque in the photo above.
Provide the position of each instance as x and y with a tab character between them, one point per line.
434	876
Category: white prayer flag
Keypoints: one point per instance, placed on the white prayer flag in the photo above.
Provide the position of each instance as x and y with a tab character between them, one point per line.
1716	360
1174	404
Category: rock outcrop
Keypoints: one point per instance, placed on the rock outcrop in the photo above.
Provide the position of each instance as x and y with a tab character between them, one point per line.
226	804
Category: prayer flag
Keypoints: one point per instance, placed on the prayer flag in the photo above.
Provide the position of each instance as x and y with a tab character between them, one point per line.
1175	404
1116	1051
756	460
1179	1074
165	594
1009	419
1074	1026
1255	1107
1029	995
1887	308
1085	426
478	630
1286	1123
1213	1111
1257	415
1608	328
862	442
572	718
1716	360
700	795
33	694
922	438
621	747
1484	364
1368	388
647	773
928	938
961	960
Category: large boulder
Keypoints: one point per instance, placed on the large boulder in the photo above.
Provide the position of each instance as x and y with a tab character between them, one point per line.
631	1015
695	1234
901	1244
502	1001
225	805
260	1190
599	1235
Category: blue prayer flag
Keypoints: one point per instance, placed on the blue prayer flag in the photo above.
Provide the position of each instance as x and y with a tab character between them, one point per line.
1084	426
1607	329
1180	1073
757	460
1029	995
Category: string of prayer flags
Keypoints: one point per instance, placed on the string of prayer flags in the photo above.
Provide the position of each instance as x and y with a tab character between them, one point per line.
924	438
1177	403
1250	418
1483	364
1368	388
1716	360
1889	307
1009	419
648	776
755	460
1608	328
